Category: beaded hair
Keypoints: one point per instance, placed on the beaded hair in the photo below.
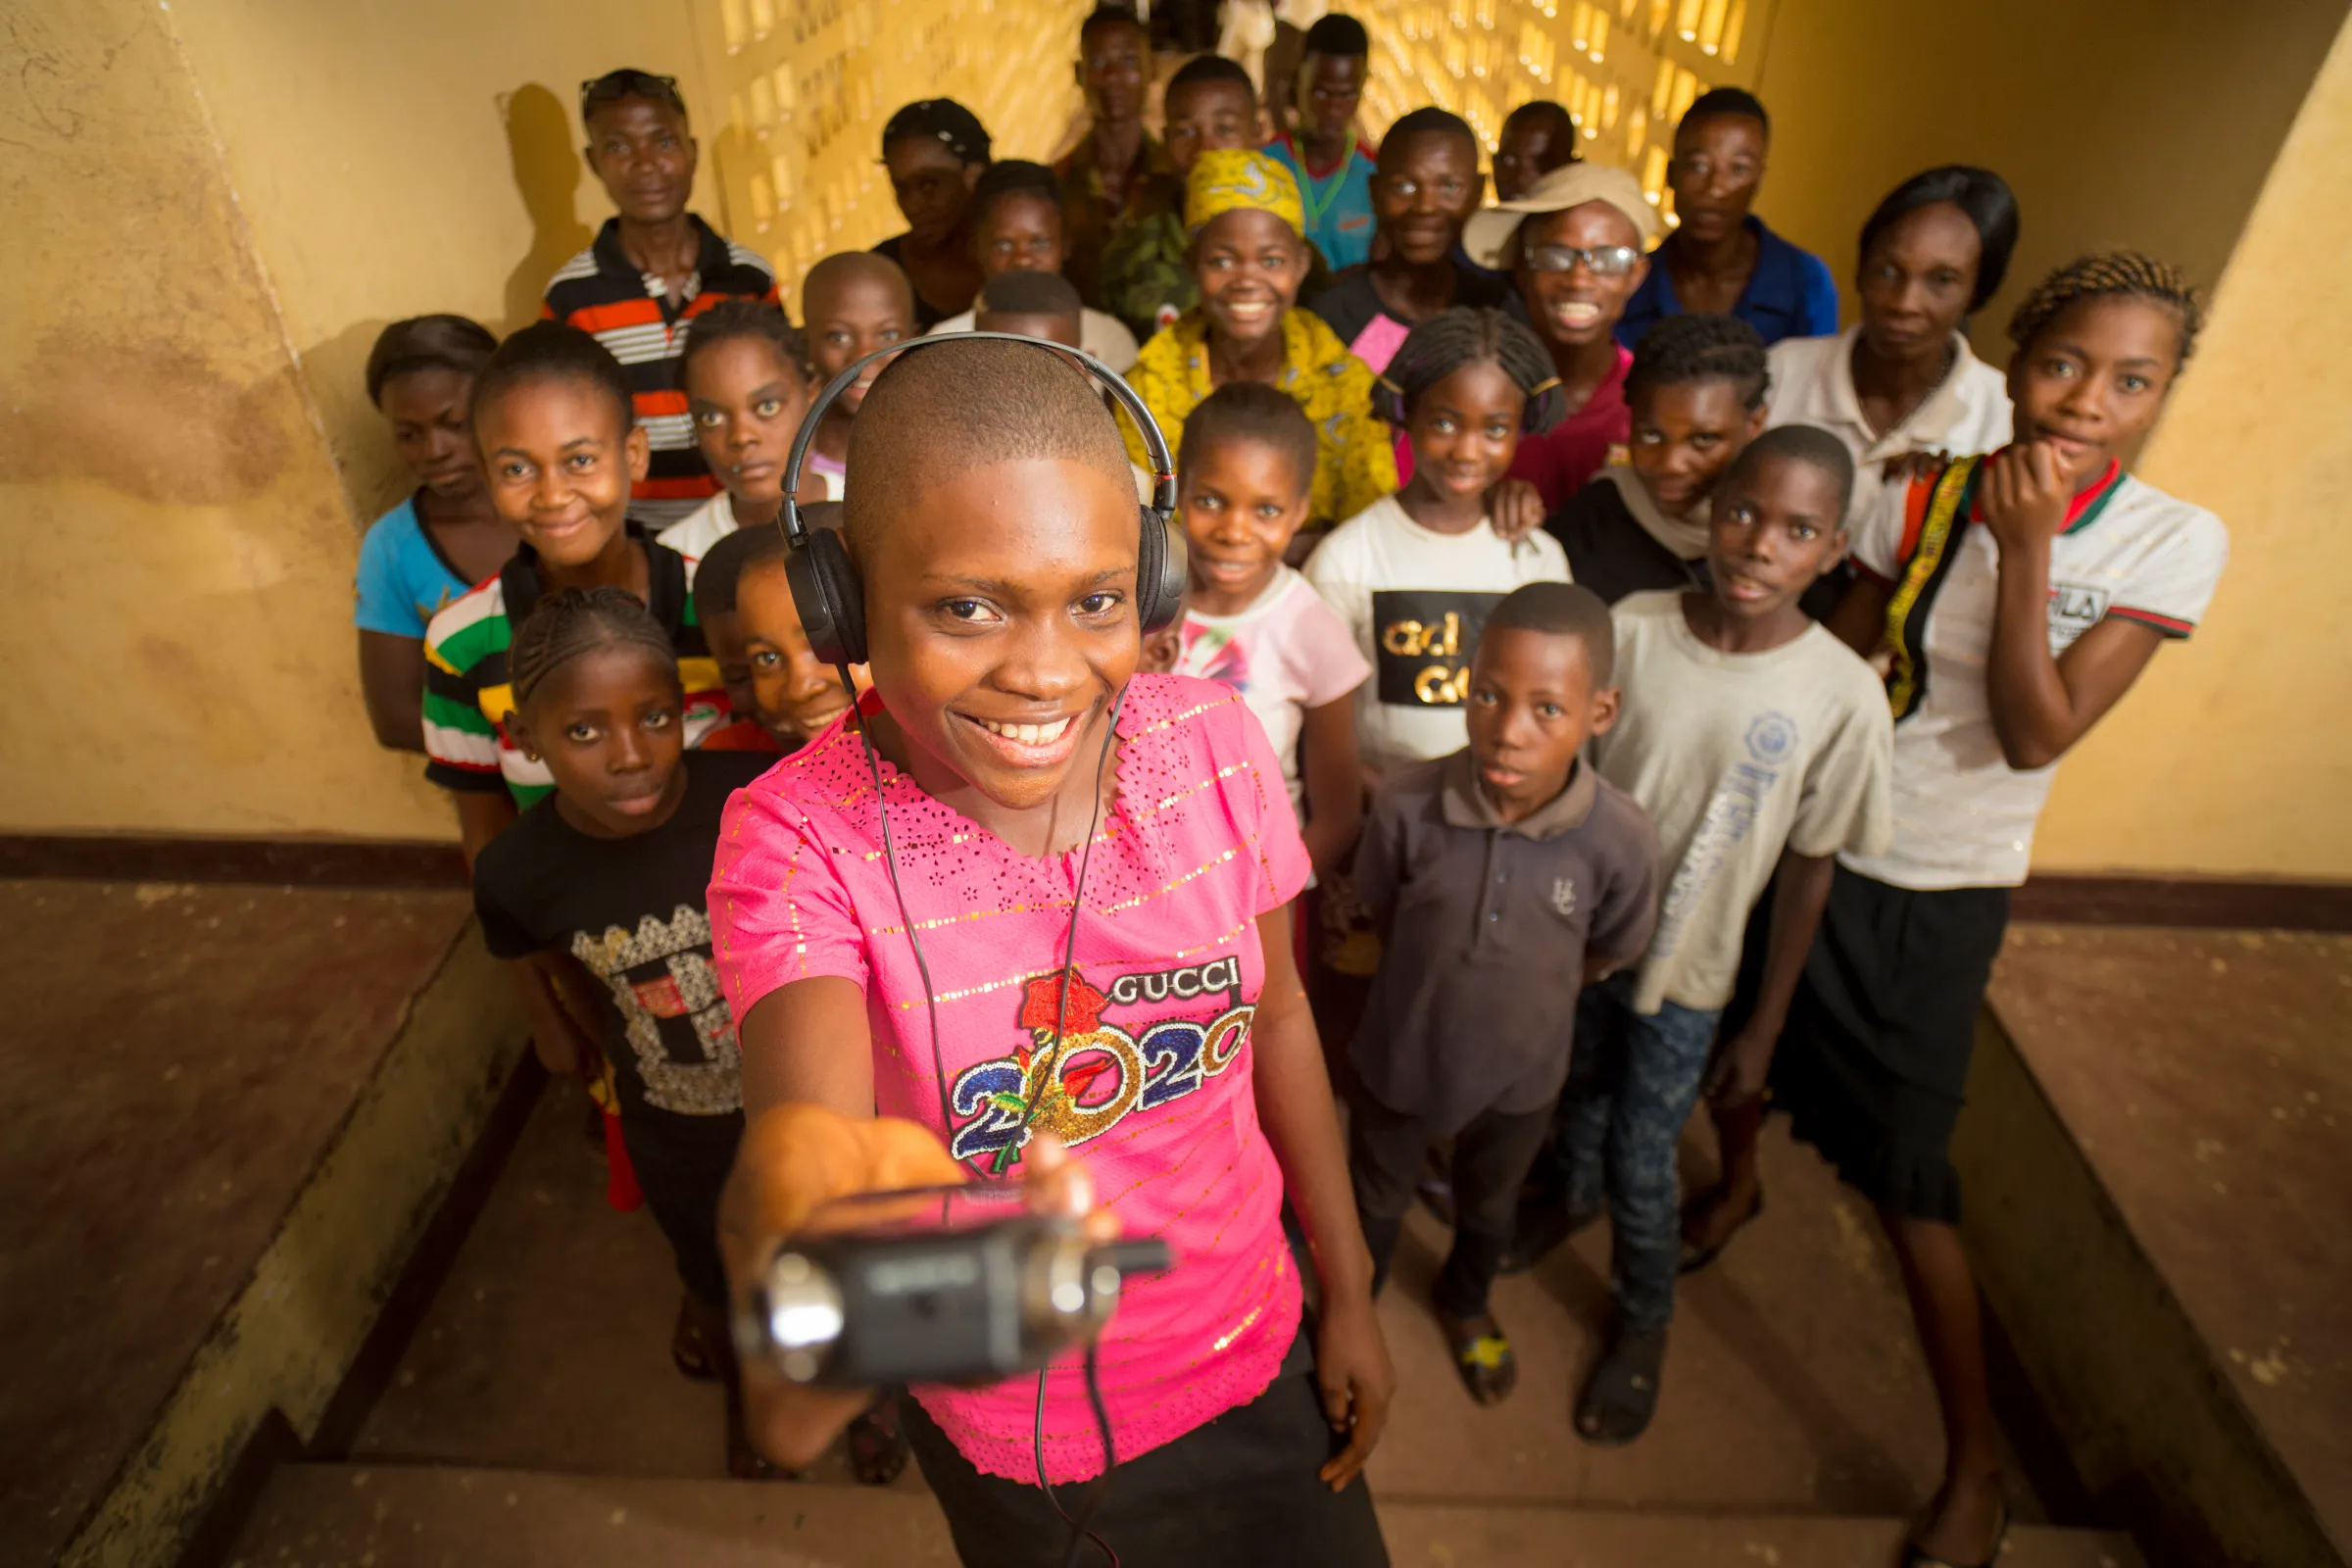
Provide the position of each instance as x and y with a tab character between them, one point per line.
571	621
1680	349
2109	274
729	320
1444	343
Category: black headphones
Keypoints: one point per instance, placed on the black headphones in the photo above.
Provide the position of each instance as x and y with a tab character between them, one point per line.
830	596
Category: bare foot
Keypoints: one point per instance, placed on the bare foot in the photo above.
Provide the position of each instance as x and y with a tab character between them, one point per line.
1712	1218
1965	1524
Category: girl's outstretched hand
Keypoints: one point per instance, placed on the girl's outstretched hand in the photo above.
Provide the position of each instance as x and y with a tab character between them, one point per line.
794	1160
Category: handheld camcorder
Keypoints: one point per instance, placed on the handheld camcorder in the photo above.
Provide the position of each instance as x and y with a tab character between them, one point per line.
958	1285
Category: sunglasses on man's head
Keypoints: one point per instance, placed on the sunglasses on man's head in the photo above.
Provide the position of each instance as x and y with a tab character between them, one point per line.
1601	261
629	84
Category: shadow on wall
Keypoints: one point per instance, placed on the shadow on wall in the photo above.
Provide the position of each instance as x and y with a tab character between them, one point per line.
547	166
355	435
547	172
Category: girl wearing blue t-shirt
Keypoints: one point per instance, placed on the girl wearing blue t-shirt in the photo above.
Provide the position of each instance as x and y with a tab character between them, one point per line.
441	540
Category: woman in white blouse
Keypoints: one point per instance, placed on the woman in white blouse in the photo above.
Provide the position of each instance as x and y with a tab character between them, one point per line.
1904	378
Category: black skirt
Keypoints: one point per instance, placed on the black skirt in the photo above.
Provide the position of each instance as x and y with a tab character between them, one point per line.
1873	1063
1238	1493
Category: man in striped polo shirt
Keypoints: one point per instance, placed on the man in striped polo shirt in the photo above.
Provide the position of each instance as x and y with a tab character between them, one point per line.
651	271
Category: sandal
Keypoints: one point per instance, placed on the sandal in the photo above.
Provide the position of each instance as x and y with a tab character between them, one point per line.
1914	1557
1482	1354
688	1353
1622	1395
878	1449
1541	1226
1697	1258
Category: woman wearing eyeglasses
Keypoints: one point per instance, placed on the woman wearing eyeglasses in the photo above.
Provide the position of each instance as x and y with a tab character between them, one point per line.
1575	246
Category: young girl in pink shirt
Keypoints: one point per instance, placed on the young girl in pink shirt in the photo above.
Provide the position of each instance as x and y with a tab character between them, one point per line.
994	523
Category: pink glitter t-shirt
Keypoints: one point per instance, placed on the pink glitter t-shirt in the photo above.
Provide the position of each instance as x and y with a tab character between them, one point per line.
1153	1090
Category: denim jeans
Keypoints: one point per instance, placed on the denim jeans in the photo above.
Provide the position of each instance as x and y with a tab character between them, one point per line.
1632	1083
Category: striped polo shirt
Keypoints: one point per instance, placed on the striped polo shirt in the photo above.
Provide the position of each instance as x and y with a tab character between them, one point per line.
629	312
468	699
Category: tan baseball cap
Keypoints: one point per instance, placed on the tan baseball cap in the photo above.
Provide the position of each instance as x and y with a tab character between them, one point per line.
1488	234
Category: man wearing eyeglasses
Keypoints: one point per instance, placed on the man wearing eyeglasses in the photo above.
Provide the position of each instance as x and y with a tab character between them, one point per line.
651	270
1576	246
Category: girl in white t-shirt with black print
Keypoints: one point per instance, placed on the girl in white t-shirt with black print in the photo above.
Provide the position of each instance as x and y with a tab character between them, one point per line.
2019	596
1415	574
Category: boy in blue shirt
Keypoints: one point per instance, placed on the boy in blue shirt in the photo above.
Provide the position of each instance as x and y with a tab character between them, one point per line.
1332	166
1720	256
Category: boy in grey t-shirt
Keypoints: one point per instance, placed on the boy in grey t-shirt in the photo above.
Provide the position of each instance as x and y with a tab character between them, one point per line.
1755	740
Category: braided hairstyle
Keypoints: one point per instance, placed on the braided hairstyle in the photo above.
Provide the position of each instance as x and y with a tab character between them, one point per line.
2109	274
571	621
1680	349
1444	343
734	318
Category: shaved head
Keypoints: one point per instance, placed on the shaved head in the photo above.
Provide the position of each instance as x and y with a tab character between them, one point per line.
952	406
844	267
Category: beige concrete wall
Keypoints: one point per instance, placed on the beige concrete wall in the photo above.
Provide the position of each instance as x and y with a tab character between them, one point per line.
175	541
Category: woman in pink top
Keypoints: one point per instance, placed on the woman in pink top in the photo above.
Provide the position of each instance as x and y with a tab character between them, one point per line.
1191	1096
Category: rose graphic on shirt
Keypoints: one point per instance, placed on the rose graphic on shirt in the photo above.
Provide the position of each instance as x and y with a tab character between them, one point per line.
1077	1075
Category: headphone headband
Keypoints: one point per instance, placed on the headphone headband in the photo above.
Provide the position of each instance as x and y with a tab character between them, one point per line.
1156	443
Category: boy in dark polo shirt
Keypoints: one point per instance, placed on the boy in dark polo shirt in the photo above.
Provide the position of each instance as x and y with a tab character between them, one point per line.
651	270
1503	877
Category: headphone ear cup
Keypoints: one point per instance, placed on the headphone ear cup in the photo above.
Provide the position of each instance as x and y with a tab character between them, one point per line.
830	597
1159	573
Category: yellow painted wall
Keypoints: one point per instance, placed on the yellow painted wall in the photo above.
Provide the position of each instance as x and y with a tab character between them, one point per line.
2140	122
2231	756
228	200
177	545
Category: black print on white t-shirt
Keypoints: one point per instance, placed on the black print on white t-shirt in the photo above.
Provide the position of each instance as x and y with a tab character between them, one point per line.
2076	609
676	1021
1422	639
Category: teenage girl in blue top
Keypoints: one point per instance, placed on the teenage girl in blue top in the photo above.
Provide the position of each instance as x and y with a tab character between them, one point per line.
441	540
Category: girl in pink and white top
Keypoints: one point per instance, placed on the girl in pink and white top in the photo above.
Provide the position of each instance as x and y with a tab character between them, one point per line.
998	553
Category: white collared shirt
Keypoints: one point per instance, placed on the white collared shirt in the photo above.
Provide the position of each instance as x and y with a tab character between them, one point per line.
1813	383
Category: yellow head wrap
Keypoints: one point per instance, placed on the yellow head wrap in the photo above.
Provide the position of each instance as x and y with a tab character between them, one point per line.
1228	179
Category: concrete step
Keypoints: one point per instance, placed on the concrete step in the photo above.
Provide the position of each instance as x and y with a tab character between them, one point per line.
432	1516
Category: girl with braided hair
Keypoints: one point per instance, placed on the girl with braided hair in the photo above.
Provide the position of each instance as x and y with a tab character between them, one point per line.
1415	574
596	897
2018	595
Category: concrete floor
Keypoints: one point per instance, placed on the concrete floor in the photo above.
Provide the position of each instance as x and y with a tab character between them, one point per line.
174	1059
2207	1076
1793	1388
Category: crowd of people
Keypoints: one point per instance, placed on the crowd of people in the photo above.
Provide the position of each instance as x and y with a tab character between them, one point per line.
1599	687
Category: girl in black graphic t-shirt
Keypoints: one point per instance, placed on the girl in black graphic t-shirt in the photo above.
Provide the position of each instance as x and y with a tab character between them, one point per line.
601	887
